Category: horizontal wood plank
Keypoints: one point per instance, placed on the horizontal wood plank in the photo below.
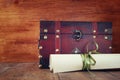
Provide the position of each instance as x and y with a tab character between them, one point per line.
30	71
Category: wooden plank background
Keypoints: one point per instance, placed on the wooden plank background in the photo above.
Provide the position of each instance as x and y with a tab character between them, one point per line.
20	19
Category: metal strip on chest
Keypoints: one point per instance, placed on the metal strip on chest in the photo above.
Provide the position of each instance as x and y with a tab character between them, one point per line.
57	37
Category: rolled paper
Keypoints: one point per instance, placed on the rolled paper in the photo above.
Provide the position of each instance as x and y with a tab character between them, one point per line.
74	62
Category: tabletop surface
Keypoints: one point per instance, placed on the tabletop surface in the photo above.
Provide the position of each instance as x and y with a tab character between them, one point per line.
30	71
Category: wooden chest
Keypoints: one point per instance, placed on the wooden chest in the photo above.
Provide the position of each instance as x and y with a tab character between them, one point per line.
73	37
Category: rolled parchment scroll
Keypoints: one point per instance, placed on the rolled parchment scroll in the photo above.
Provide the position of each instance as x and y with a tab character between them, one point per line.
74	62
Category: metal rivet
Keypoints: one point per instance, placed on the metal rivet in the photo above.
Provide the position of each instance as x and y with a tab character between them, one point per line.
110	47
106	37
76	51
94	31
40	66
57	50
106	30
40	47
57	36
58	30
94	37
45	37
45	30
39	56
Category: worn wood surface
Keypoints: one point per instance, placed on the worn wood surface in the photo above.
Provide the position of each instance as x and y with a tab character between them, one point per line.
19	23
30	71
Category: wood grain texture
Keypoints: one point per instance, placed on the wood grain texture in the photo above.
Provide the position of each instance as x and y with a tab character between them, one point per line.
20	19
30	71
93	75
25	71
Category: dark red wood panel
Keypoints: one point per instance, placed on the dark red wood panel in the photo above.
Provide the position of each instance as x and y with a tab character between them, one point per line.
68	44
48	45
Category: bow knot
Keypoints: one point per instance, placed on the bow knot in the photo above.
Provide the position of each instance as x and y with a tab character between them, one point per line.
87	58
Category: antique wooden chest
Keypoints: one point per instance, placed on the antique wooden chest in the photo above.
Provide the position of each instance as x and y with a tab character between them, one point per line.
73	37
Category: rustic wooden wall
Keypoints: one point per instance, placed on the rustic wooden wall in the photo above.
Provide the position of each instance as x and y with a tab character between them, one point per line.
19	23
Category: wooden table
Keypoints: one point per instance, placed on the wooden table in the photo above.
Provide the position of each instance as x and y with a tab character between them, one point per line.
30	71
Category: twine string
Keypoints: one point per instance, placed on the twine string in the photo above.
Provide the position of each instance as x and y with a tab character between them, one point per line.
88	60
